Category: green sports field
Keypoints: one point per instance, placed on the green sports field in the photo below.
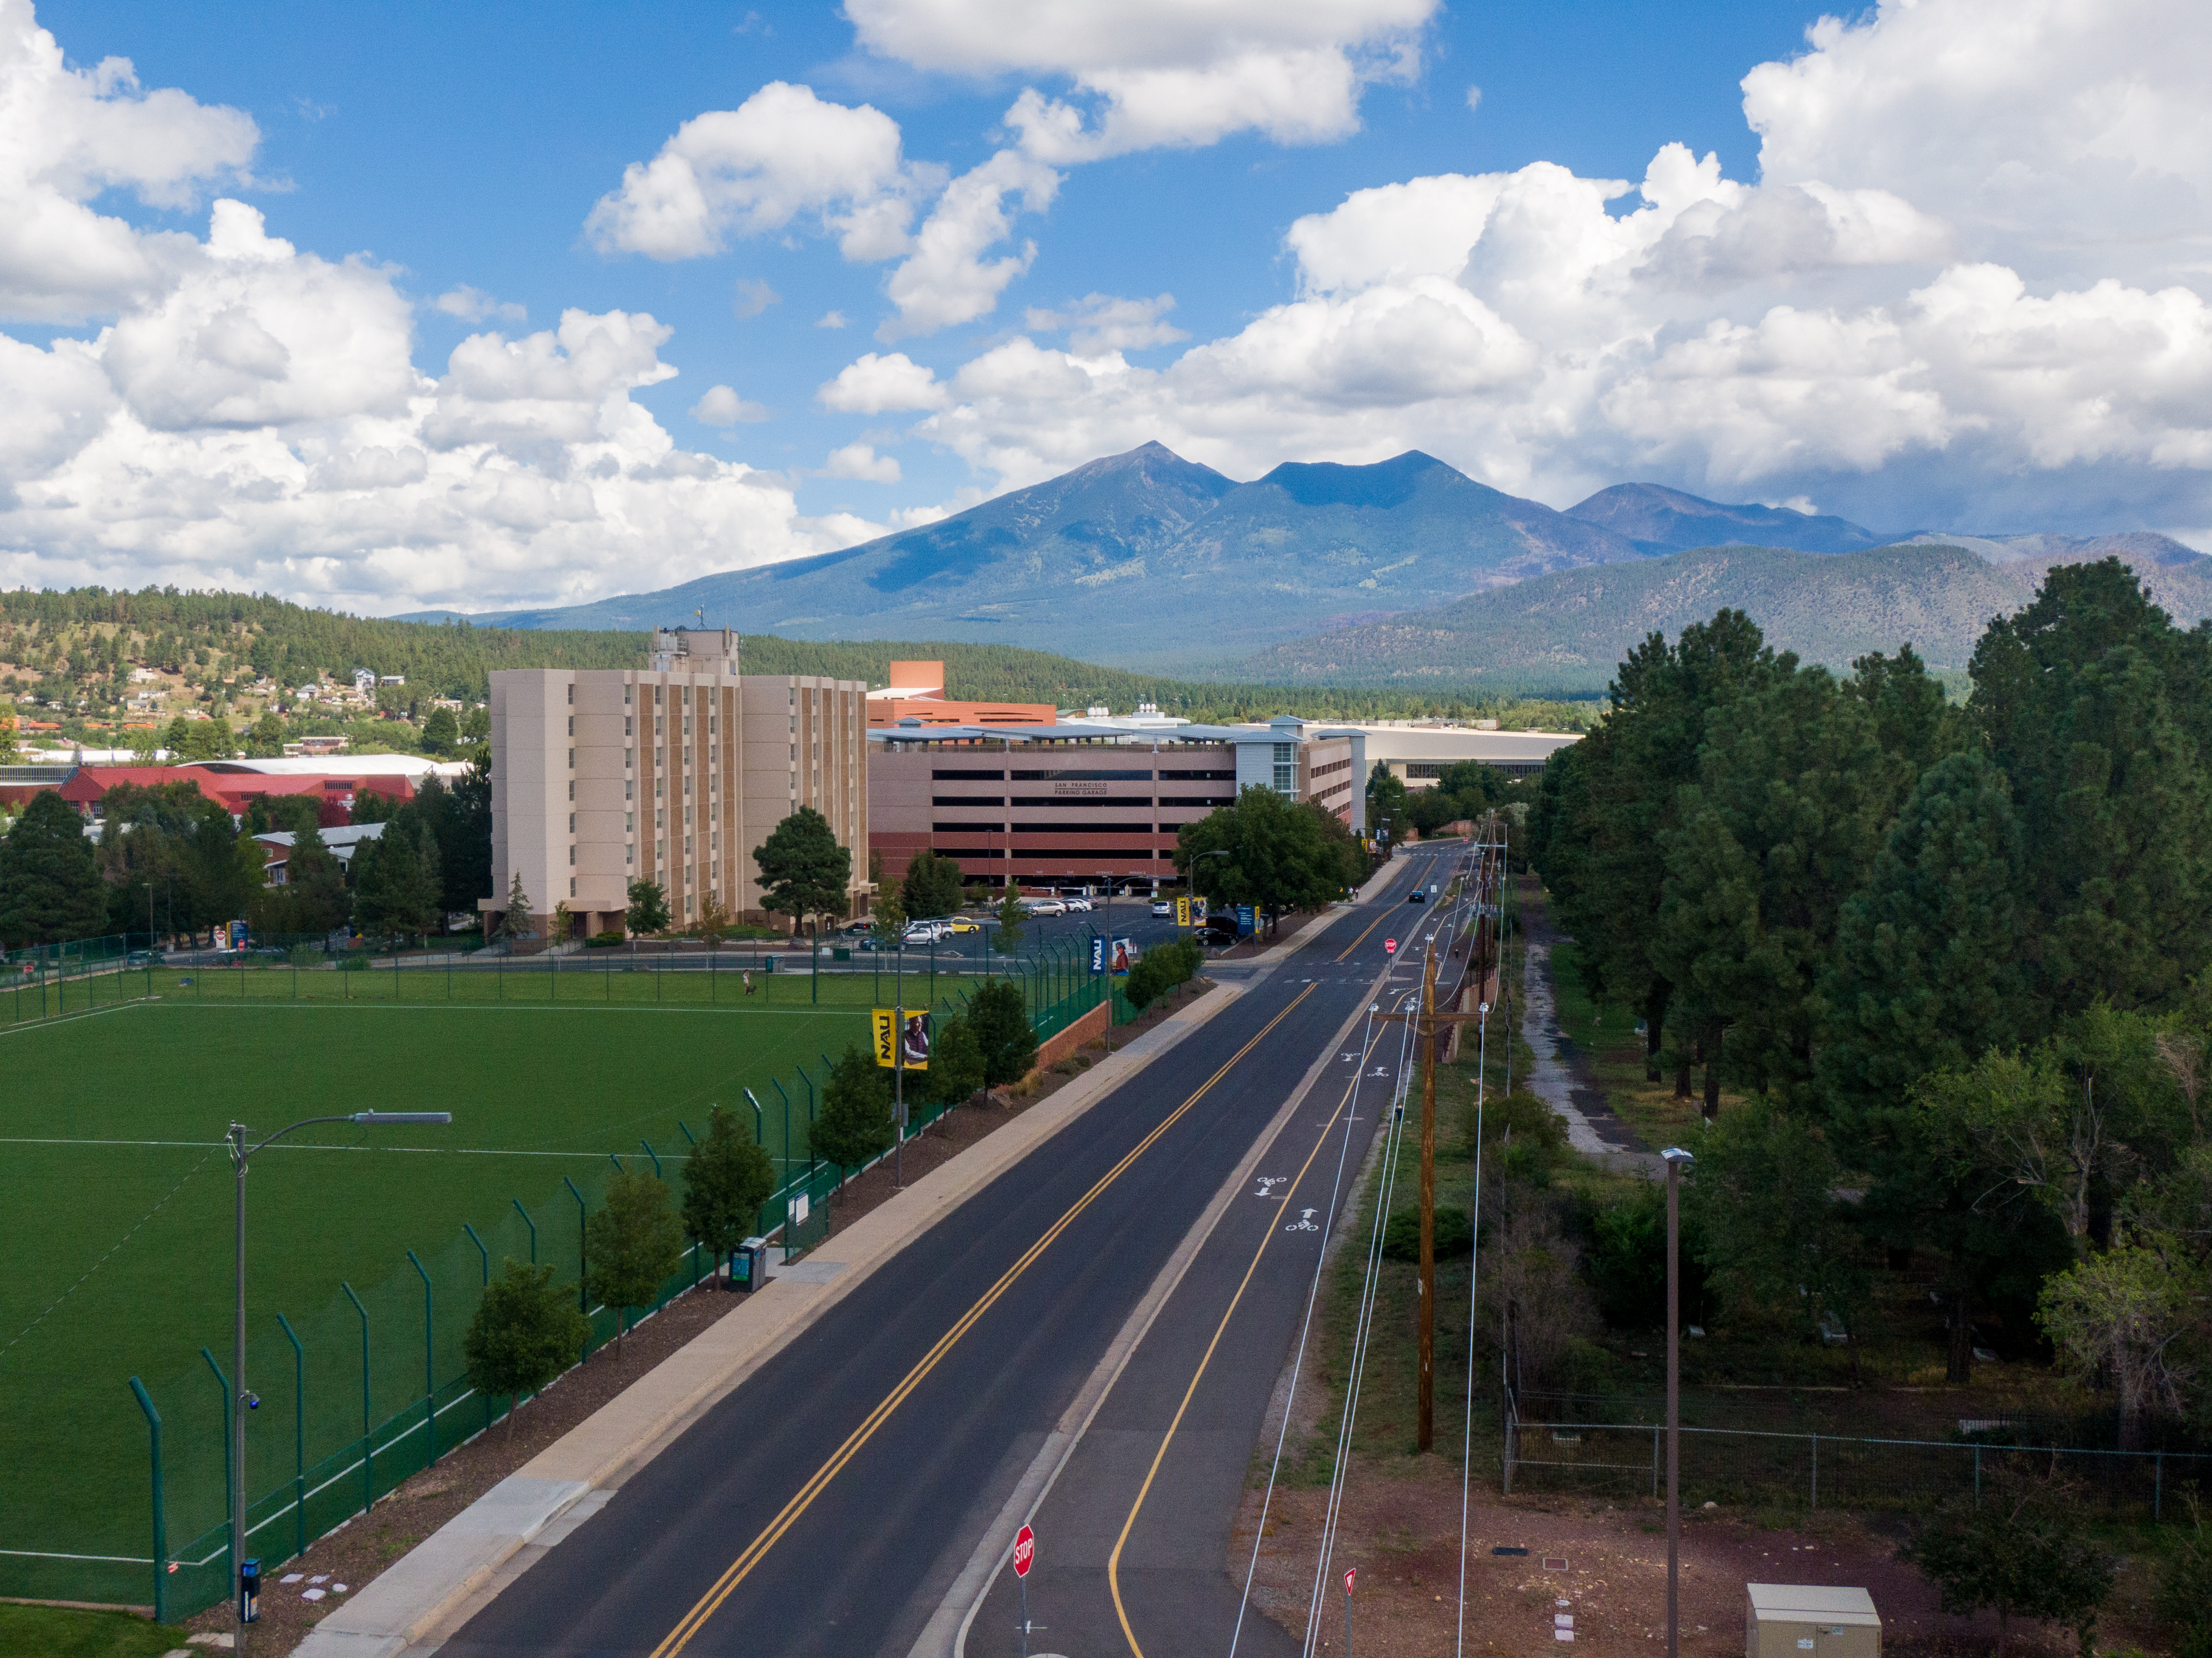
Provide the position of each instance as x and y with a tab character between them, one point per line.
116	1215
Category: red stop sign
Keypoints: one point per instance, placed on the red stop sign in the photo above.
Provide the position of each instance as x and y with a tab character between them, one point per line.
1024	1552
1390	946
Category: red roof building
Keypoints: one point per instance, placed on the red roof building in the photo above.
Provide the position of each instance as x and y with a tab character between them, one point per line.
234	791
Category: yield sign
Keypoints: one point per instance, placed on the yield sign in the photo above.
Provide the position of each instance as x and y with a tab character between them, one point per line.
1349	1573
1390	946
1024	1552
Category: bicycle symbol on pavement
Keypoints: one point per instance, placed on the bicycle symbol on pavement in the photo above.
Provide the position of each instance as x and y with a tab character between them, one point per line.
1304	1223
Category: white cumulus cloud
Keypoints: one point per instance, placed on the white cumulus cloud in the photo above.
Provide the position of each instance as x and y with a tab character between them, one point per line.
67	136
474	305
722	406
781	154
1148	74
880	384
1102	322
860	461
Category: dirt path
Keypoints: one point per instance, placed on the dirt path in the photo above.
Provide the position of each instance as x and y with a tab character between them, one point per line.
1562	1077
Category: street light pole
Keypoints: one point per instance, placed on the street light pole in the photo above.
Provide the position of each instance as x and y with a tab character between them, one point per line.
242	1401
1675	1157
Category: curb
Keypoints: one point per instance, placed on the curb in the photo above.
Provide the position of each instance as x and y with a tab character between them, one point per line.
422	1597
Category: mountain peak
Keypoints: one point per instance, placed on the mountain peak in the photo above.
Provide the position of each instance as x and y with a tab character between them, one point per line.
1384	484
1662	520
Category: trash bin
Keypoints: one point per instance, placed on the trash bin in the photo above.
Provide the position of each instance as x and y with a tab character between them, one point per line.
749	1264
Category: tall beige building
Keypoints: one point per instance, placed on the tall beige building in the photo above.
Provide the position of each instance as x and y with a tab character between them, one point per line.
672	773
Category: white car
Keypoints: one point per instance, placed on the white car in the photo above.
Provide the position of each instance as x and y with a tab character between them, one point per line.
1163	907
1077	905
1044	907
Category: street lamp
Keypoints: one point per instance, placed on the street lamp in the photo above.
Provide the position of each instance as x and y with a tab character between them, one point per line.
241	1400
1675	1158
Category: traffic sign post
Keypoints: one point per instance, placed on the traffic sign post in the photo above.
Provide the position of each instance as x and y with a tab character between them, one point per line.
1025	1558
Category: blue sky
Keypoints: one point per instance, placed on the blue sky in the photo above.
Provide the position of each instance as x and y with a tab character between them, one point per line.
1843	319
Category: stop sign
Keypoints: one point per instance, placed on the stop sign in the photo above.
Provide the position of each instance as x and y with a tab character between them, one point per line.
1390	946
1024	1551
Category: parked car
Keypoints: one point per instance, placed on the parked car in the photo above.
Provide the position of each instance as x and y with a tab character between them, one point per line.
1163	907
924	933
855	929
1044	907
962	924
1077	904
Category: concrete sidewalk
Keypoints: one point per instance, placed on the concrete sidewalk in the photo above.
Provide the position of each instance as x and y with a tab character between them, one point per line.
433	1589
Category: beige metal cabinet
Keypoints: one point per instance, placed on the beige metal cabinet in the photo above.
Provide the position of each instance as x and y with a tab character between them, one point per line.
1803	1620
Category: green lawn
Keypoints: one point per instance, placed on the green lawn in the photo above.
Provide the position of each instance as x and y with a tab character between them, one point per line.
116	1205
60	1632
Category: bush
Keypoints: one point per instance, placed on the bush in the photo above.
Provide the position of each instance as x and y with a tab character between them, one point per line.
353	963
612	938
1160	969
1401	1238
1625	1261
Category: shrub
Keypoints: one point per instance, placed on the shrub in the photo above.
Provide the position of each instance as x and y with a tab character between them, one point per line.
1401	1238
612	938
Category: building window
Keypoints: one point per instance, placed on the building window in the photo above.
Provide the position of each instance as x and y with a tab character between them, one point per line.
572	760
629	725
626	691
1286	769
571	823
629	758
571	858
629	790
572	723
572	693
572	886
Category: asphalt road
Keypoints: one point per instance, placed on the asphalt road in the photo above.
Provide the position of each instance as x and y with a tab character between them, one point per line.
827	1505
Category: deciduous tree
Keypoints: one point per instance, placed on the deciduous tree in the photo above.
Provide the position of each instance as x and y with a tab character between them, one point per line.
727	1178
854	1124
526	1331
632	1244
1001	1023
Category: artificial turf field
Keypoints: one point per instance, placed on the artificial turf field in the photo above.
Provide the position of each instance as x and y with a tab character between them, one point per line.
116	1209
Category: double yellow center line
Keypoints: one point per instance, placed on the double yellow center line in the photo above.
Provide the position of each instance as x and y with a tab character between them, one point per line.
739	1569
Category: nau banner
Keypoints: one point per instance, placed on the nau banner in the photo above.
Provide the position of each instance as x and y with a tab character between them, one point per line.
1097	953
1183	911
915	1039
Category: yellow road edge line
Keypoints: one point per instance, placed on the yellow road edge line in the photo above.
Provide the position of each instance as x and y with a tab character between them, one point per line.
692	1621
1114	1560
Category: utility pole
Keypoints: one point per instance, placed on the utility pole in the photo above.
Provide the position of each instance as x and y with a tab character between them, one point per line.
1675	1157
1427	1021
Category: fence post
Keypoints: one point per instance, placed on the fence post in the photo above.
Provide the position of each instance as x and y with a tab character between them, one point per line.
583	1262
299	1436
655	1154
429	1366
1655	1462
486	1253
229	1469
1816	1472
531	1224
368	1418
160	1530
689	1136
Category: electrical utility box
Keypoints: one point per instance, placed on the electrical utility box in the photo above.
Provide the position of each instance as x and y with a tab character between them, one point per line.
1803	1620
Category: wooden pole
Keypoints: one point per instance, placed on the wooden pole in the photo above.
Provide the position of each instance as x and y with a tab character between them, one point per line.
1426	1437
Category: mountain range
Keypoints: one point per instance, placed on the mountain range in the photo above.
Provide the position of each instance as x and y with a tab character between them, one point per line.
1564	634
1145	560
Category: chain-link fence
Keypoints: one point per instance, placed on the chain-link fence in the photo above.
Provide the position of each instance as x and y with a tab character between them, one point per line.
1754	1466
362	1393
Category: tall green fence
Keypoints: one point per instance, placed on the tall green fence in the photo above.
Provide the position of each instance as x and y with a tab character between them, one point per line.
362	1393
